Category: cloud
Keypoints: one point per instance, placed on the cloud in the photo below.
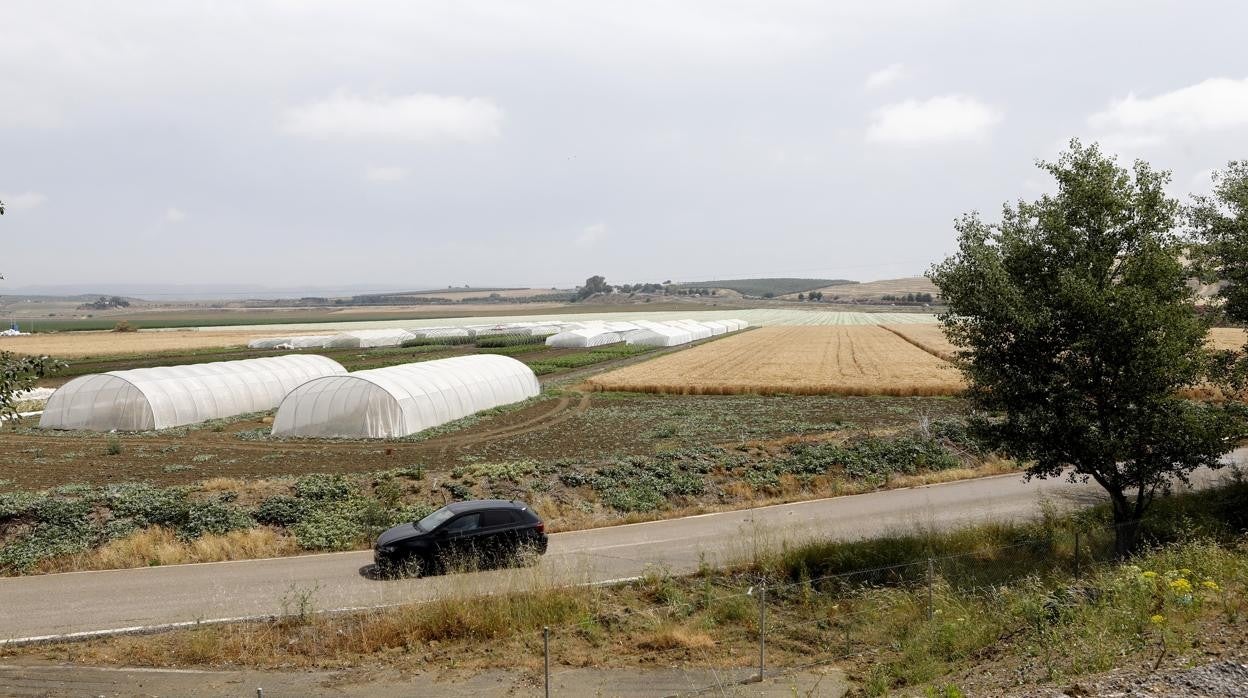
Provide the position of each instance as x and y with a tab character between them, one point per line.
946	119
24	201
385	174
591	235
886	76
416	118
173	214
1214	104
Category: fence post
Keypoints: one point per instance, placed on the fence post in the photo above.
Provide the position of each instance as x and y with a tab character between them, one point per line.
762	629
1076	553
931	573
546	656
259	693
848	646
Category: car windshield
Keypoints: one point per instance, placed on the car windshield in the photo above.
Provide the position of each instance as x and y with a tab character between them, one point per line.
434	520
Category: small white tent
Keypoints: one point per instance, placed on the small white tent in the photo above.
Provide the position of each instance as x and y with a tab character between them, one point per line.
400	400
158	398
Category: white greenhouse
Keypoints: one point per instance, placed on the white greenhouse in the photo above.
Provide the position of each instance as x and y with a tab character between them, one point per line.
658	335
695	328
267	342
447	333
363	339
311	341
583	338
142	399
718	327
400	400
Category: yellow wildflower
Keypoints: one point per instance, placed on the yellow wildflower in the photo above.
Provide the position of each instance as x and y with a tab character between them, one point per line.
1210	585
1158	619
1149	575
1181	586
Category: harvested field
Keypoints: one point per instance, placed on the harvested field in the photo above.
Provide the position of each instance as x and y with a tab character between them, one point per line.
929	338
78	344
1229	338
840	360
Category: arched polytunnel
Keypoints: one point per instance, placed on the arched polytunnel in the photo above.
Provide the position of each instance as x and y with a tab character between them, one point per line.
168	396
656	334
584	338
401	400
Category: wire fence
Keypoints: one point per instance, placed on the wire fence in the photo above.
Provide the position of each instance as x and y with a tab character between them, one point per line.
839	635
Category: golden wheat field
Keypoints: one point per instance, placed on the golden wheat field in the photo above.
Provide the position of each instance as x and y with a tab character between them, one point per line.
1227	338
930	338
842	360
80	344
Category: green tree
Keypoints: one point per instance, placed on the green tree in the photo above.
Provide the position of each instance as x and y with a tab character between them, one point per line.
1076	330
19	373
1220	222
594	284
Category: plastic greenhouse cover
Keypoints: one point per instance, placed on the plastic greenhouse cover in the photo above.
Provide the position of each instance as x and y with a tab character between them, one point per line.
401	400
168	396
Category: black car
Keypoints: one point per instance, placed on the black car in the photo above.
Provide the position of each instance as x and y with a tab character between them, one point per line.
485	532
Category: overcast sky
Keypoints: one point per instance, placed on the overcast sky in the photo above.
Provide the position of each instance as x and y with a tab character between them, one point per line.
403	144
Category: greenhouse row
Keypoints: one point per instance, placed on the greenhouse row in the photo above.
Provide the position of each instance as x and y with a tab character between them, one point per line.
556	333
314	395
668	333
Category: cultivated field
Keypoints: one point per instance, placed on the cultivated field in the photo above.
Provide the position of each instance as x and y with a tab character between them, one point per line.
928	337
80	344
842	360
1228	338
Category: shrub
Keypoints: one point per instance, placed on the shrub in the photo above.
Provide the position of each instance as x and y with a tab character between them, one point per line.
281	510
330	527
213	518
124	326
148	505
324	487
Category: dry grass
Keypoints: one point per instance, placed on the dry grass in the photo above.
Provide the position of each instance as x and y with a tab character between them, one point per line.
839	360
79	344
159	546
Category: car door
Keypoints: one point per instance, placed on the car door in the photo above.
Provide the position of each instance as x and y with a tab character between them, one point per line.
459	538
498	535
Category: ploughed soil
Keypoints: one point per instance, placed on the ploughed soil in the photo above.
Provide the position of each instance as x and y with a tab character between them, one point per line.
562	425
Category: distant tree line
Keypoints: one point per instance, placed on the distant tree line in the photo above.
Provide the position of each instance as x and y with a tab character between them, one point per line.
106	303
916	298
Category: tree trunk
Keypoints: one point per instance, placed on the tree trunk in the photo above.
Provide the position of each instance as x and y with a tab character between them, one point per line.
1126	526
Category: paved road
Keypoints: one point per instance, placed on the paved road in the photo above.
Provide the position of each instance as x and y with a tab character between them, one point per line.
92	602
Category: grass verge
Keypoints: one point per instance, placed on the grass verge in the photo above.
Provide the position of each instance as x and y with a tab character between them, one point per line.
1013	596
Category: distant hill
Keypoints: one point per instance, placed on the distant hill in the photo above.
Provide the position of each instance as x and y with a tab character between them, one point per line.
877	289
761	287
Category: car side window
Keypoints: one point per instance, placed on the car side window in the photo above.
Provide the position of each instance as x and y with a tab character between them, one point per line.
497	517
467	522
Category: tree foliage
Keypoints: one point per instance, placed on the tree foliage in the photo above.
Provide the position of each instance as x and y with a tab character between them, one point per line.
19	373
1220	222
593	285
1077	329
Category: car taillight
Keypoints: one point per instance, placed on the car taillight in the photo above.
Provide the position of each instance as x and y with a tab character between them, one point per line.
541	526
